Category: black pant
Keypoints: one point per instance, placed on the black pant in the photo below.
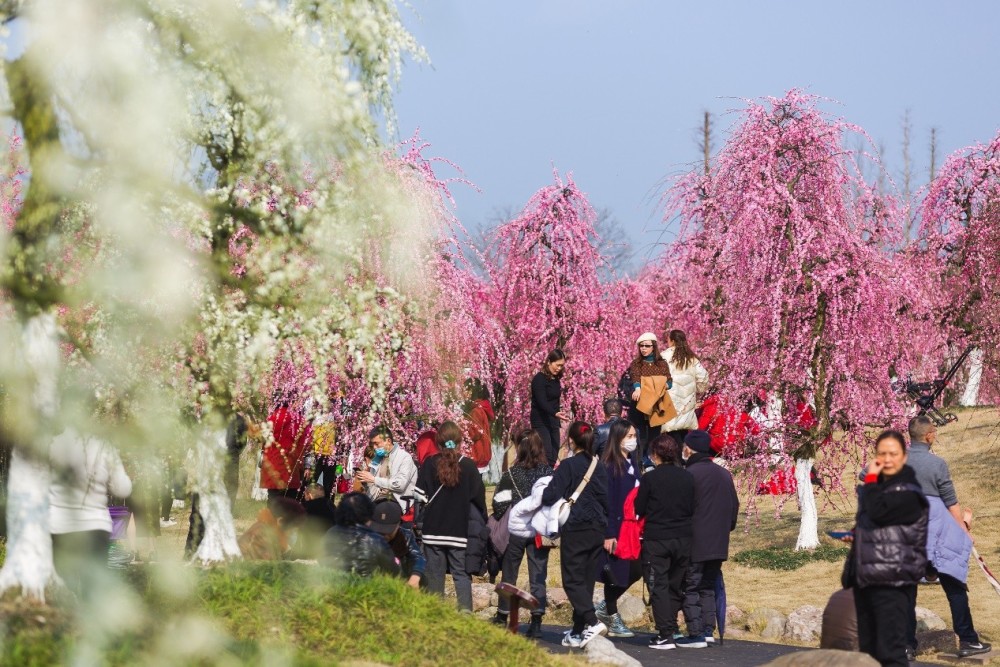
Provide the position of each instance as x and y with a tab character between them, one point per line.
699	597
961	615
81	558
612	592
664	563
538	568
550	439
579	552
883	617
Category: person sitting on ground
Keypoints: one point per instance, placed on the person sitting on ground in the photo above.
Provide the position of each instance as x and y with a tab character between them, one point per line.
386	522
352	546
319	518
717	509
612	412
270	537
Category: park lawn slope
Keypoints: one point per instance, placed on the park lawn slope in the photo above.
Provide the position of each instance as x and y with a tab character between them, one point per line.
280	613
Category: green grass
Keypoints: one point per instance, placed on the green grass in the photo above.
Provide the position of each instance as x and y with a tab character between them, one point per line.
786	558
263	614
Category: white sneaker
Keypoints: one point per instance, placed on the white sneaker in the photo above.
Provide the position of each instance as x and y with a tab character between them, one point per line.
166	523
571	640
592	631
709	639
178	504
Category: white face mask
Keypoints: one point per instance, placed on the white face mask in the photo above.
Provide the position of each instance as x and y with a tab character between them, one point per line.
629	445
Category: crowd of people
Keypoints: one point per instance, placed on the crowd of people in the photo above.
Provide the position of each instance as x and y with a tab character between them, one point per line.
638	497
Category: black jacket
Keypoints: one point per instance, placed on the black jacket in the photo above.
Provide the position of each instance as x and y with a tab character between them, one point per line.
717	509
890	535
591	508
519	480
358	550
601	434
545	395
666	499
408	552
446	517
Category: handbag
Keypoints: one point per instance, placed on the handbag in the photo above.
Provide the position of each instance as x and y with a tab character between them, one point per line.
564	506
500	527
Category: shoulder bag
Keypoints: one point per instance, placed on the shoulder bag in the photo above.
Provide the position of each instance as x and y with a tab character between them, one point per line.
564	506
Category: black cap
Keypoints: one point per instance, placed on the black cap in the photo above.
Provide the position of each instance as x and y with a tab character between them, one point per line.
699	441
386	518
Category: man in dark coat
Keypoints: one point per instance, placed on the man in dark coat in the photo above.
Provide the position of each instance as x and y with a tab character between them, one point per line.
717	508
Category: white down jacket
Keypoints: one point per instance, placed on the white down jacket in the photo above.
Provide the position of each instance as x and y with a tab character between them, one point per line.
528	515
688	383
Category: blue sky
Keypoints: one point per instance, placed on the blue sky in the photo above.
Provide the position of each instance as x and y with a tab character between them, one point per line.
614	91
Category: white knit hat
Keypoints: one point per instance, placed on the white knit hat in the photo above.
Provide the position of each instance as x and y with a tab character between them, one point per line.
648	336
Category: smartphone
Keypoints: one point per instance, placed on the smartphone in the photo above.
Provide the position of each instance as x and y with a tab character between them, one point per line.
839	534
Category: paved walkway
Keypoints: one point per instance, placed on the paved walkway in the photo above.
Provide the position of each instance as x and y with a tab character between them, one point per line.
732	652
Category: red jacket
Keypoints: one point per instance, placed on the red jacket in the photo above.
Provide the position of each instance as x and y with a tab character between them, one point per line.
727	426
426	446
281	467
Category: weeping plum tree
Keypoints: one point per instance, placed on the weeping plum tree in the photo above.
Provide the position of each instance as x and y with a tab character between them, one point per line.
786	252
142	120
959	243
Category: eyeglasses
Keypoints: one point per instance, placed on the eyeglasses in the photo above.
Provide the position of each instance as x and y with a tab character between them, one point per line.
645	345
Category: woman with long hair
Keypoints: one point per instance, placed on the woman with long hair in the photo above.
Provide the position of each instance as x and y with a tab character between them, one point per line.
582	535
622	462
647	364
546	391
451	483
690	379
516	484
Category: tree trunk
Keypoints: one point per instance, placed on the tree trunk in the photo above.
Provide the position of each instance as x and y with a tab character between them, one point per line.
208	462
28	564
970	396
809	525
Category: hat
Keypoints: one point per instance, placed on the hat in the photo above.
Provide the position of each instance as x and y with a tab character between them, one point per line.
649	335
386	517
699	441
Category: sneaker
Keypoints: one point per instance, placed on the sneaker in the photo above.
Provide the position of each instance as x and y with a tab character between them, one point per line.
592	631
602	613
911	654
166	523
709	639
965	649
617	627
662	643
691	642
499	619
571	640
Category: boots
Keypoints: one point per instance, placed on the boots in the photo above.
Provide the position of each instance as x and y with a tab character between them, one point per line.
601	610
534	630
499	619
617	627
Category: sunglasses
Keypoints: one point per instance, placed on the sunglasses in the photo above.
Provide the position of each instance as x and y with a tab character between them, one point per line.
645	345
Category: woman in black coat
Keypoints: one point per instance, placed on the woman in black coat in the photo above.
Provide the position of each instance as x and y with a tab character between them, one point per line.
546	392
889	553
582	536
622	461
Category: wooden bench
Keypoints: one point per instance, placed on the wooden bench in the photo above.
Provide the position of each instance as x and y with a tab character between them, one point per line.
516	597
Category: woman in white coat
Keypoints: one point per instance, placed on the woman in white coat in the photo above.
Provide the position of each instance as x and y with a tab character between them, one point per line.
690	379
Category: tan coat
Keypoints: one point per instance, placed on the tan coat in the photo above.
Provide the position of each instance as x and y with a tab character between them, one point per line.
655	401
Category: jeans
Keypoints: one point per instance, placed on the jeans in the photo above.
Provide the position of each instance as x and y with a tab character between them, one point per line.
699	597
441	559
883	616
579	553
538	568
961	615
665	563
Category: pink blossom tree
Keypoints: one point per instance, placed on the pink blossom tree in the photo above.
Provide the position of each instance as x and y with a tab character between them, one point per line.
958	239
785	252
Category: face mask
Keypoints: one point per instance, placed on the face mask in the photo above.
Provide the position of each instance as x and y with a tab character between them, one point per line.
629	445
380	452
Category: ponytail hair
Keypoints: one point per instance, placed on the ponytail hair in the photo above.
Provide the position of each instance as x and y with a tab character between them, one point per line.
449	443
581	434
